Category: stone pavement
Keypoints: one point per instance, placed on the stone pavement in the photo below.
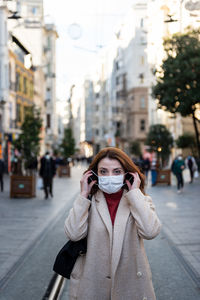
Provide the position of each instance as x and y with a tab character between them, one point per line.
180	216
22	221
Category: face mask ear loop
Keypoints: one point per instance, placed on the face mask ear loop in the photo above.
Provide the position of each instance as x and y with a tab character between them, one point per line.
125	178
95	175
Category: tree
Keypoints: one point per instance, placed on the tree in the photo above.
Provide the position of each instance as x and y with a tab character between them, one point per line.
135	148
67	146
187	140
160	140
178	79
28	142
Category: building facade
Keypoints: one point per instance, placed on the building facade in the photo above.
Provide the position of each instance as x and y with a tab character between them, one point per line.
27	70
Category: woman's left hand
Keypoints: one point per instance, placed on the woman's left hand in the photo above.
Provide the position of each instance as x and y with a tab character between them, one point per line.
136	181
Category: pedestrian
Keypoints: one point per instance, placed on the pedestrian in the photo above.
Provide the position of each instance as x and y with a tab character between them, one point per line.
191	165
47	172
1	173
154	171
177	168
147	166
140	164
116	219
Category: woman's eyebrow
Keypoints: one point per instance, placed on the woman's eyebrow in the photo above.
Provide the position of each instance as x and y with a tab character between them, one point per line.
118	168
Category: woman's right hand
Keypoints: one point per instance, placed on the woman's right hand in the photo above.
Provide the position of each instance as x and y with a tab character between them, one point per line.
85	186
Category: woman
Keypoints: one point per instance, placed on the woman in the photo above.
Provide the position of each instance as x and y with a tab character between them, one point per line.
116	220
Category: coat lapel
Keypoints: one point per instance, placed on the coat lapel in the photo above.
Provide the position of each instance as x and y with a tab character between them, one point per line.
104	213
119	231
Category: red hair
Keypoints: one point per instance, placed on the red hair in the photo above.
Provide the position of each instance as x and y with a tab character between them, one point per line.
115	153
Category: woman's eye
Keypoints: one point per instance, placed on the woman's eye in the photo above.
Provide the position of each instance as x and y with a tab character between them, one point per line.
102	172
117	172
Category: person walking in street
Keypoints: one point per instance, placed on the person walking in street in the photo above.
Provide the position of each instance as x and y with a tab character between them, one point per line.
47	172
147	166
154	171
177	168
1	173
191	165
115	214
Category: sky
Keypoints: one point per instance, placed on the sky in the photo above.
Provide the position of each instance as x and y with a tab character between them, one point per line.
97	22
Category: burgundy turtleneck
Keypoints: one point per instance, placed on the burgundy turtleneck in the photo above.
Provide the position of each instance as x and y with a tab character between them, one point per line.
113	203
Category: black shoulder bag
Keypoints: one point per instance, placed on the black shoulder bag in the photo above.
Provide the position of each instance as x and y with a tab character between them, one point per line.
67	256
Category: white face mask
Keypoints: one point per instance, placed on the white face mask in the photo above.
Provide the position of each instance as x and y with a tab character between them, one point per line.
111	184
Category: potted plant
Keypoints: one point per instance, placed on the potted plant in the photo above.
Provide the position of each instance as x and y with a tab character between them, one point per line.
160	141
67	149
23	179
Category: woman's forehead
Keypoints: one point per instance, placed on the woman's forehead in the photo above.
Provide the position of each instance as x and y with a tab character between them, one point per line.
109	163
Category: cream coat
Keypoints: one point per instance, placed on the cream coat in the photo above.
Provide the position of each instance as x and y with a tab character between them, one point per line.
115	266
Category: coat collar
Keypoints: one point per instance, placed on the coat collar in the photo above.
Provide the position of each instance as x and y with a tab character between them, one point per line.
117	232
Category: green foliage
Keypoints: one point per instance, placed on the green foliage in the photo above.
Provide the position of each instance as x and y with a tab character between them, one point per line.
160	140
67	147
28	142
178	80
178	83
135	148
186	140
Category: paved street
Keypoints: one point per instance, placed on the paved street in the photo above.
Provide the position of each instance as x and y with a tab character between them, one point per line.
24	222
31	232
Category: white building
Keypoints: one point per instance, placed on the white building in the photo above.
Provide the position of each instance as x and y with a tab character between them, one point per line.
50	93
40	40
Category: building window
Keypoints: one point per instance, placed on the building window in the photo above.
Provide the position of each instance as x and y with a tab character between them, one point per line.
119	64
142	23
142	60
31	90
142	125
114	109
141	76
17	82
25	85
49	42
19	115
33	10
142	102
48	121
49	68
118	95
143	40
117	80
21	83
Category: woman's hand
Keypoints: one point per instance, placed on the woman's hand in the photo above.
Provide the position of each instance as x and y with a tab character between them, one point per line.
85	186
136	181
